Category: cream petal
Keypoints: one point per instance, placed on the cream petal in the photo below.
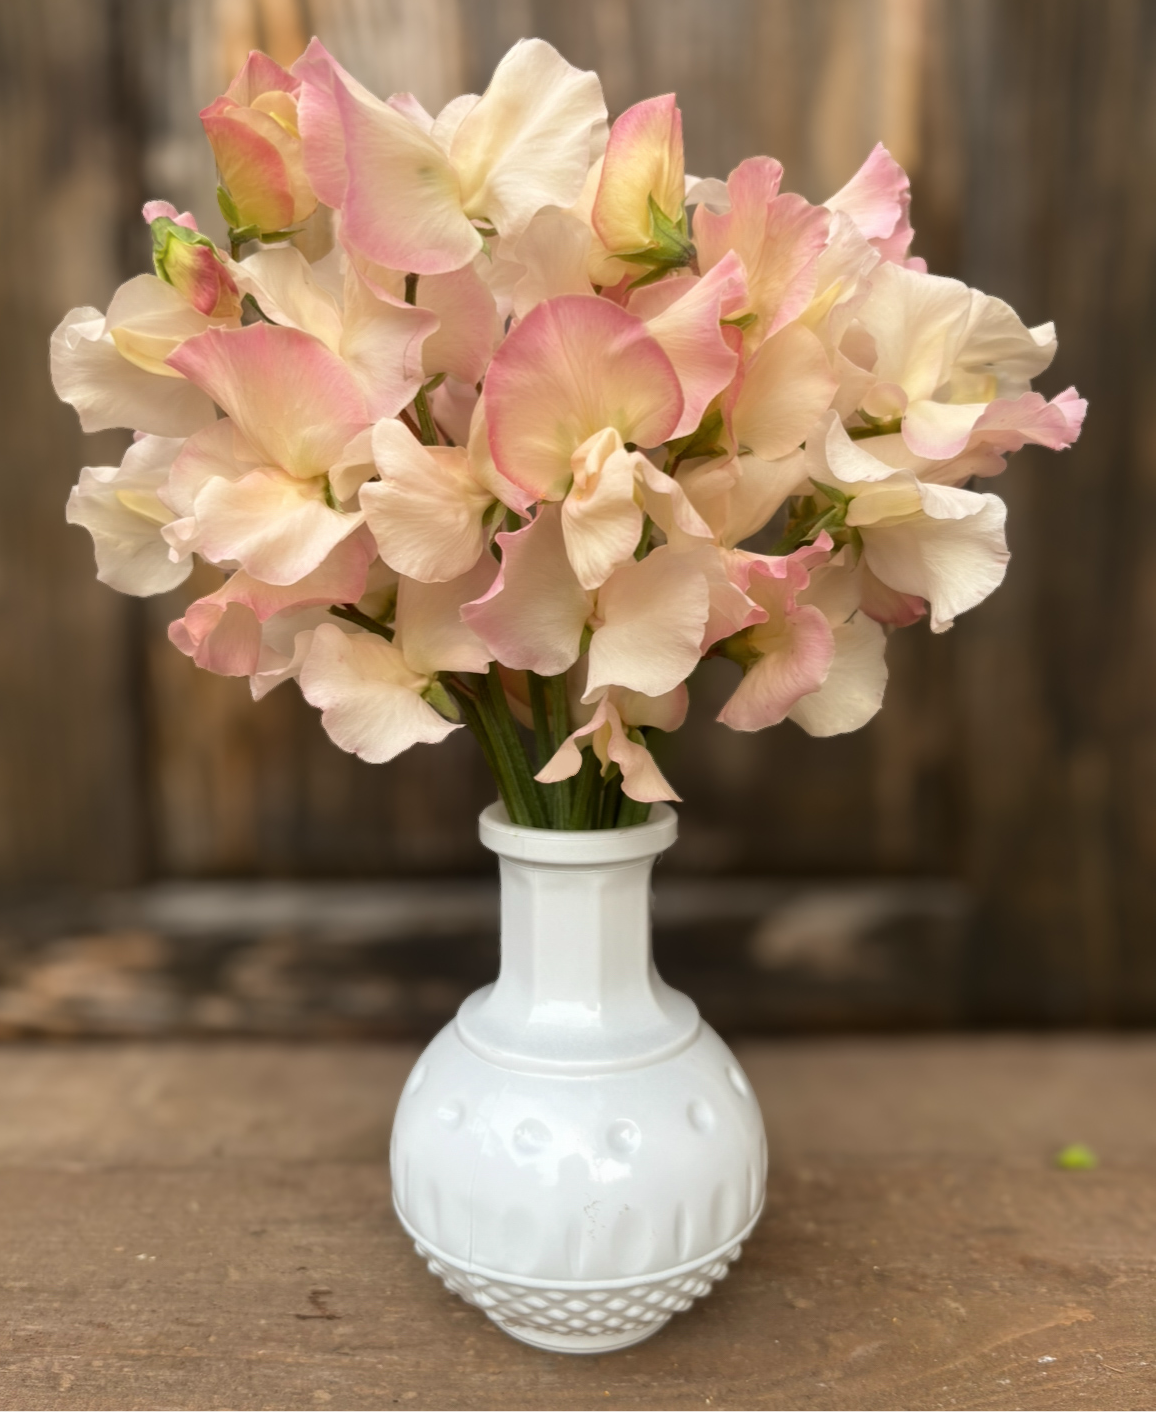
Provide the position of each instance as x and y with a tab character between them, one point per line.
427	512
527	142
787	385
653	615
369	698
430	631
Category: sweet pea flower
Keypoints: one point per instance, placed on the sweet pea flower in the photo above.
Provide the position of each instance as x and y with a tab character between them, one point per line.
416	194
190	262
779	238
222	632
646	622
287	636
817	658
253	131
373	693
685	318
877	199
943	353
120	508
612	733
787	655
737	496
636	195
928	541
380	338
264	488
428	511
853	689
114	369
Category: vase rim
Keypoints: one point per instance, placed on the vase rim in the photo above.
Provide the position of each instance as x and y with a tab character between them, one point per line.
577	846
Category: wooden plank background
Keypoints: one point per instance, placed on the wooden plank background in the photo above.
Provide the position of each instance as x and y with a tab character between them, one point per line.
1013	754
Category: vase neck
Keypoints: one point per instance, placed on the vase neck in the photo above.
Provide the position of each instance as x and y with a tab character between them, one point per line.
577	988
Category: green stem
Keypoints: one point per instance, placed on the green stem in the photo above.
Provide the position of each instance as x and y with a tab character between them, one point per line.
612	795
363	620
580	809
468	705
645	538
632	811
562	793
425	419
508	747
541	720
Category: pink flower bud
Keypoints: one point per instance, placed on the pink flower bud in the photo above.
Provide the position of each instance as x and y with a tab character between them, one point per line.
253	132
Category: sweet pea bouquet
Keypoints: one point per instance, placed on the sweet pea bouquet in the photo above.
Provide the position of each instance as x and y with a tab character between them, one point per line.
494	458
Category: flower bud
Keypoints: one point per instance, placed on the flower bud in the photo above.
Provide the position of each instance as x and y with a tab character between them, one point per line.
190	262
253	132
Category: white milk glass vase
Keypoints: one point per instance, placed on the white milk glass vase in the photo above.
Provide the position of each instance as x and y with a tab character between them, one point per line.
577	1153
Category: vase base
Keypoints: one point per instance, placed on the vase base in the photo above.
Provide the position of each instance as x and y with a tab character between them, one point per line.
607	1342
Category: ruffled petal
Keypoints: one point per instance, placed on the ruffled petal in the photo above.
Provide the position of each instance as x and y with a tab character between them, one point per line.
688	331
427	512
527	142
119	507
429	628
533	617
653	614
779	238
370	700
787	385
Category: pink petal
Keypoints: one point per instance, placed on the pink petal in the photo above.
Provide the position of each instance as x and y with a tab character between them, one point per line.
468	327
320	124
533	617
252	167
642	778
293	399
796	647
155	210
384	342
877	198
260	74
218	630
688	331
1009	425
779	239
572	367
402	204
221	638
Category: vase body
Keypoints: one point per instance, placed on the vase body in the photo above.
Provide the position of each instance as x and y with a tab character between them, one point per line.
577	1153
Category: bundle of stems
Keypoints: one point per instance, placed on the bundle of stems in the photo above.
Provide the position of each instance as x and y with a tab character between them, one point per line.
592	799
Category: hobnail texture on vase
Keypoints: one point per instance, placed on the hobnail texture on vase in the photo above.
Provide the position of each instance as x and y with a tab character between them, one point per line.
582	1318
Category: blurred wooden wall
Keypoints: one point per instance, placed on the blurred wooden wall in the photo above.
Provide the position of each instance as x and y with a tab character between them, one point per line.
1013	753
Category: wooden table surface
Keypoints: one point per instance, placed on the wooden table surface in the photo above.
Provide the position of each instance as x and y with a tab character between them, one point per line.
202	1226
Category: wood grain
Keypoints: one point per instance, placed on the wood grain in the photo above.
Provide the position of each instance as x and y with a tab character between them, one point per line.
1013	754
210	1227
